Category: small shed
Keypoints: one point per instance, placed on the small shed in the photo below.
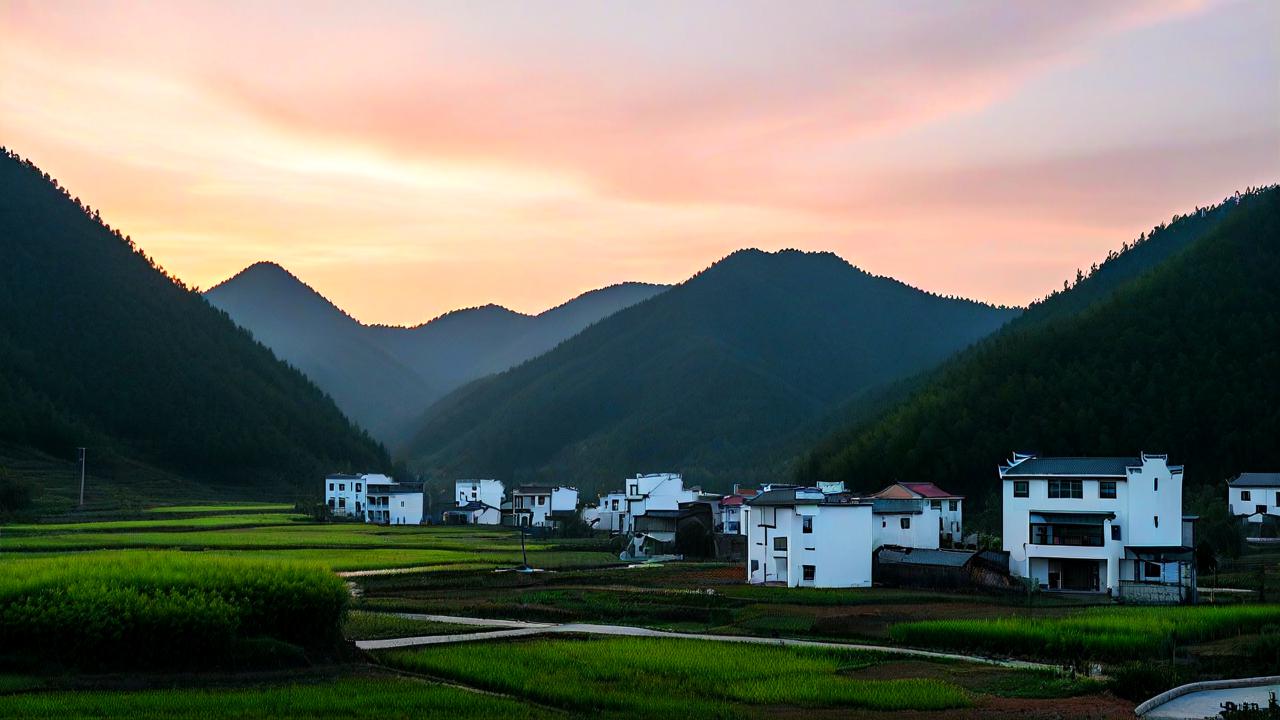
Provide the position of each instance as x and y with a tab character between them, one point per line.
942	569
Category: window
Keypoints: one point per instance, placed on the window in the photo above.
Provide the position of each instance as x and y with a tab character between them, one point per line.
905	523
954	505
357	487
1107	489
330	503
809	571
635	490
1156	520
1021	488
806	525
1155	485
755	566
1066	489
330	487
542	499
1260	509
357	506
955	527
1115	532
342	487
1278	498
1150	570
615	504
1246	495
342	503
935	504
780	543
884	523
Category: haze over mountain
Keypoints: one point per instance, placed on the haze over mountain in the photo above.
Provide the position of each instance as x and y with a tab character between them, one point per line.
700	378
1172	346
100	348
384	377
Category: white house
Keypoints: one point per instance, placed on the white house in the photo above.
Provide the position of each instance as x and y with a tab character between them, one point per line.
542	505
345	494
1254	496
608	514
904	523
393	503
731	507
940	520
477	502
655	491
802	537
1099	524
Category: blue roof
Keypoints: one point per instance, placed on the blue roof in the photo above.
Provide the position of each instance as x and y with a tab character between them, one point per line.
1088	466
1256	480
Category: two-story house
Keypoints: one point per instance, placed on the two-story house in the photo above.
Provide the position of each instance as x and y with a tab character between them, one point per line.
477	502
609	513
801	537
1099	524
344	494
391	503
941	513
1254	496
543	505
731	511
654	491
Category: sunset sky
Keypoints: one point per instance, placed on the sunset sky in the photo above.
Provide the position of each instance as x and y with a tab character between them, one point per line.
408	158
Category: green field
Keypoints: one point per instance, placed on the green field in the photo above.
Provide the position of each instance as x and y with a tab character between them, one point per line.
362	625
374	698
643	677
1111	633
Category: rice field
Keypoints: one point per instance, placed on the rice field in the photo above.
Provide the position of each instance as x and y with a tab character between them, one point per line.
647	677
1104	633
220	508
161	609
358	698
217	520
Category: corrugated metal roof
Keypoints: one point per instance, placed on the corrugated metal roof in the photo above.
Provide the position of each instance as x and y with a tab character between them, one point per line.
917	556
1256	480
1087	466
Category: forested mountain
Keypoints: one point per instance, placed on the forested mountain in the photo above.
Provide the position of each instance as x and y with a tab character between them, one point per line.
384	377
702	378
99	347
1181	355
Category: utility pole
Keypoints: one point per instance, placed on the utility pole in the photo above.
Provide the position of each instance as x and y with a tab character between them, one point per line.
81	476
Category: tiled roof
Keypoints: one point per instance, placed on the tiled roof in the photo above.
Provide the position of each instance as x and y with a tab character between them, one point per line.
929	490
1256	480
1086	466
895	506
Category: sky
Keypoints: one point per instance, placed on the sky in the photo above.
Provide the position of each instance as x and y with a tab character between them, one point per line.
409	158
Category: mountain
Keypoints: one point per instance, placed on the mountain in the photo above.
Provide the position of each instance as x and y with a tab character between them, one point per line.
338	353
384	377
701	378
100	348
1171	346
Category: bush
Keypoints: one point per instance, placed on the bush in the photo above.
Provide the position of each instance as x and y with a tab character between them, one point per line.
162	609
15	494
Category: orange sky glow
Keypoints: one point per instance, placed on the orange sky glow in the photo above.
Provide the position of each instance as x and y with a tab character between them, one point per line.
406	159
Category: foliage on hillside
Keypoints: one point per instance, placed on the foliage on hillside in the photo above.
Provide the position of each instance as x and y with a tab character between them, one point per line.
1184	359
100	348
706	378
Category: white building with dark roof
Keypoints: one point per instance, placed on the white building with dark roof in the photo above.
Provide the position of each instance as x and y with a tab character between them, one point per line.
919	515
801	537
543	505
476	502
1099	524
1254	496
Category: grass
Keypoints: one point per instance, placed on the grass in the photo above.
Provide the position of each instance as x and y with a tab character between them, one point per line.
203	522
373	698
1109	634
160	609
362	625
646	677
221	508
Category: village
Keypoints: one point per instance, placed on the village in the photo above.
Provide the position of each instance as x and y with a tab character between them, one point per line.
1108	526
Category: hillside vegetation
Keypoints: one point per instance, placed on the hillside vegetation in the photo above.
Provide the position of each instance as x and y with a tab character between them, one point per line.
1175	352
707	378
100	348
384	377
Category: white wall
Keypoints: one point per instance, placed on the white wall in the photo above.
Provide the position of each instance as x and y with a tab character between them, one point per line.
405	508
1267	496
345	496
923	531
838	548
489	492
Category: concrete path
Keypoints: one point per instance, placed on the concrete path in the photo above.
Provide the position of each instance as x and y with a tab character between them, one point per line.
1204	699
518	628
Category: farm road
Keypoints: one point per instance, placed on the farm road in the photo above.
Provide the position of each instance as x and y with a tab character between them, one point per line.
520	628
